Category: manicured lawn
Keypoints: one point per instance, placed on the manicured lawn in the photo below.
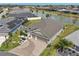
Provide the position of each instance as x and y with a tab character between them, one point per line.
11	43
69	29
31	22
51	50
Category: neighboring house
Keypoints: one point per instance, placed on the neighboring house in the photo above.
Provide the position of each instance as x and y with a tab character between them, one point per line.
14	22
76	11
27	15
5	11
74	37
47	29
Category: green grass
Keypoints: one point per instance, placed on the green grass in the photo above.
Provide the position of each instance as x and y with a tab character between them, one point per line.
11	43
31	22
51	50
69	29
23	33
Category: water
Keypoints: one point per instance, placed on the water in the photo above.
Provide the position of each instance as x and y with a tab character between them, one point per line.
59	18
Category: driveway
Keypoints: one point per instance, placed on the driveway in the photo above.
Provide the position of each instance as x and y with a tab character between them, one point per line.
30	47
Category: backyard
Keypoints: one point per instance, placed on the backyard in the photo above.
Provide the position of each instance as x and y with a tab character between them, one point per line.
60	41
31	22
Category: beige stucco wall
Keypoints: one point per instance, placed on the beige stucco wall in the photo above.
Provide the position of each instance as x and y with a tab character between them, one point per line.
2	39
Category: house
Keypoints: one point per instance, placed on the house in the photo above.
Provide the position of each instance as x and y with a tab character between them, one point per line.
13	22
74	38
3	12
47	30
27	15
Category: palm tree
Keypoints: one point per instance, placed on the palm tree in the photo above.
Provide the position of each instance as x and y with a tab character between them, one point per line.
42	12
63	43
47	15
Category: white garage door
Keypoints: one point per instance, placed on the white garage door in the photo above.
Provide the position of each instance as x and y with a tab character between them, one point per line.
2	39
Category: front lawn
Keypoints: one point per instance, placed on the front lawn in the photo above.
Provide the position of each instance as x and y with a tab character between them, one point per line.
69	28
51	50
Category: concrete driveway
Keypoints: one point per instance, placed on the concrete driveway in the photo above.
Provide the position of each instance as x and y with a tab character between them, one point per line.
30	48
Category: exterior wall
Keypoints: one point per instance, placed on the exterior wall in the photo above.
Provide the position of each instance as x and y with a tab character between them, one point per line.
2	39
51	39
32	36
29	36
36	38
34	18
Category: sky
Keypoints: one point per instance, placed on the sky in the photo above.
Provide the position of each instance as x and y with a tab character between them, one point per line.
41	3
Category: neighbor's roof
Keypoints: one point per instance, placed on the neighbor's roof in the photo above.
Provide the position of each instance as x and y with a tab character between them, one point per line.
3	25
23	15
47	28
9	24
74	37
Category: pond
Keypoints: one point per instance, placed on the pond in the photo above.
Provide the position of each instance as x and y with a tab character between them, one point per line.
60	18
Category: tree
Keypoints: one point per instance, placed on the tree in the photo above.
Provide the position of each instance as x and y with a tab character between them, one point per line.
25	22
63	43
31	10
38	5
3	16
37	11
77	6
72	6
47	15
10	34
74	21
21	7
42	12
